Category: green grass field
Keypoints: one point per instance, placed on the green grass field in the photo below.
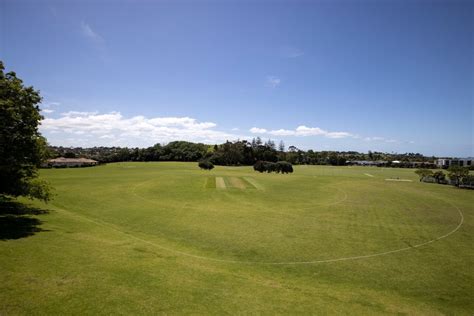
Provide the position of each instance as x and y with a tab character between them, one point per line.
147	238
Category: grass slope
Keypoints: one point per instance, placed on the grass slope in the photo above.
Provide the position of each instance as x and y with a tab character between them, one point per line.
146	238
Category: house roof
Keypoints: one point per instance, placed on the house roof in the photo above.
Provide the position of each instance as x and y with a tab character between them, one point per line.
77	160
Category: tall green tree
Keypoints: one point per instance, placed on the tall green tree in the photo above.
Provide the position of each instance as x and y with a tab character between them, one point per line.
22	148
439	176
423	173
457	173
281	146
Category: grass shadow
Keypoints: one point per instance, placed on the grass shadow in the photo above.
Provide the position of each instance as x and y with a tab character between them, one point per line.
16	221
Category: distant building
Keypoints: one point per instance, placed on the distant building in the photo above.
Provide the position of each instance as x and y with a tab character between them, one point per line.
393	163
70	162
462	162
366	163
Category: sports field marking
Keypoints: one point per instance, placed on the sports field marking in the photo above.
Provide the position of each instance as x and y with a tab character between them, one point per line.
134	189
236	183
369	175
253	182
399	180
113	227
220	183
130	235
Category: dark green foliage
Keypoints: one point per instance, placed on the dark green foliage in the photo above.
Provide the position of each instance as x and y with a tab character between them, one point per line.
440	177
22	148
336	160
206	165
284	167
242	152
182	151
424	173
467	182
269	166
259	166
456	174
70	155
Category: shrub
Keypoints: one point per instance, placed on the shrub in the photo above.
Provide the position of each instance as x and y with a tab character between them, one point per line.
268	166
206	165
456	174
467	182
284	167
424	173
259	166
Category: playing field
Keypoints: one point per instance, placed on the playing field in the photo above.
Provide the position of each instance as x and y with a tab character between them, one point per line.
148	238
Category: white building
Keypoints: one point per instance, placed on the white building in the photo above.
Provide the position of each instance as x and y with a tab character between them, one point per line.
463	162
70	162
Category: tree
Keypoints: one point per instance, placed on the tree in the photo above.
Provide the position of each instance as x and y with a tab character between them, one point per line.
259	166
284	167
423	173
206	165
22	148
281	146
70	155
468	181
457	173
269	166
440	177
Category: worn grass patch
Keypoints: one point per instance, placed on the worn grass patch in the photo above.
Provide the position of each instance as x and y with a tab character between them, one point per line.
236	183
220	183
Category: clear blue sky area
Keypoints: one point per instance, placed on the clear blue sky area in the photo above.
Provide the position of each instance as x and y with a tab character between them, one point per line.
393	76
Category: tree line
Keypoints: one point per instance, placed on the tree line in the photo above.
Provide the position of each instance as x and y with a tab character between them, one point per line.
241	152
457	175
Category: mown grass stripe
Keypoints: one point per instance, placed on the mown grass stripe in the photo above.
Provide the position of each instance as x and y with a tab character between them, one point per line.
254	183
210	183
248	184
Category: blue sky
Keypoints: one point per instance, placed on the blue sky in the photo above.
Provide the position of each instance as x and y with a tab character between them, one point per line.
393	76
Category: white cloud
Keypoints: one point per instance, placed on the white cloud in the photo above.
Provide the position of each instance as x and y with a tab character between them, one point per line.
46	107
88	32
112	128
301	131
281	132
339	135
309	131
380	139
272	82
374	138
257	130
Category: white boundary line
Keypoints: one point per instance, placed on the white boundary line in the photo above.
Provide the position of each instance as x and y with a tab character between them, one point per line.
369	175
111	226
